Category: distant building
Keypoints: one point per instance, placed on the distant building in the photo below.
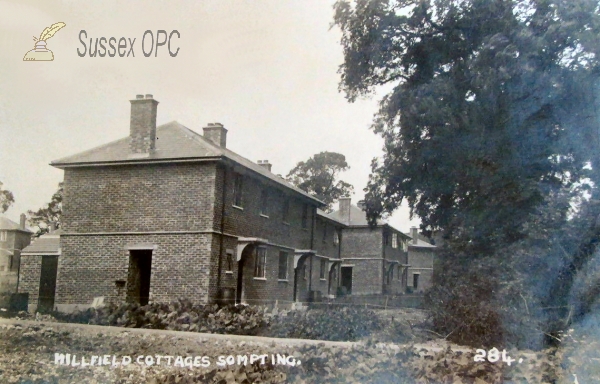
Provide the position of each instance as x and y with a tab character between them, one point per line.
39	266
13	238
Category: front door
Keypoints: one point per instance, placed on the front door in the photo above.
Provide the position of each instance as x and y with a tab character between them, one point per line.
47	283
347	279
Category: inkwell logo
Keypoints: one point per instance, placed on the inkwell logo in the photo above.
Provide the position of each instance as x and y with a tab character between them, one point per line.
40	52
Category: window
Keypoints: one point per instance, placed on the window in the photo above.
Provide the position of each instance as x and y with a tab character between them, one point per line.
286	210
238	187
305	216
324	232
229	260
405	245
2	235
395	240
264	202
305	271
261	262
416	281
336	238
323	269
399	274
283	265
385	239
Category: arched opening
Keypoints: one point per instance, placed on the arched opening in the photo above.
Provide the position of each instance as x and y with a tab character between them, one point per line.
245	256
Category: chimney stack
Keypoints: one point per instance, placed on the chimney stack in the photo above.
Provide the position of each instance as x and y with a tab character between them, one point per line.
414	233
142	126
216	133
344	204
361	204
22	223
265	164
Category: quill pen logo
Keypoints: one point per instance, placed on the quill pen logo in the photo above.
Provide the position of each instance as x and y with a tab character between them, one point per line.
40	52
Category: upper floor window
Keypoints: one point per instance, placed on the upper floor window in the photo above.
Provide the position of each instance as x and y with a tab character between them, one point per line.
336	238
395	240
386	240
405	245
324	232
264	202
238	187
283	265
286	210
261	262
305	216
2	235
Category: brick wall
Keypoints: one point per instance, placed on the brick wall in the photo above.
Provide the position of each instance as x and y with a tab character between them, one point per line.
421	262
175	197
362	248
248	221
89	266
29	279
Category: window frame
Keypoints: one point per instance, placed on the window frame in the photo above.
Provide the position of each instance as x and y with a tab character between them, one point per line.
260	263
3	235
285	214
394	240
264	202
304	222
322	272
283	255
336	237
238	190
229	261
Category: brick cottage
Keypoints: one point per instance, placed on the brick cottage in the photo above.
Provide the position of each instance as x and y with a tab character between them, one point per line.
167	213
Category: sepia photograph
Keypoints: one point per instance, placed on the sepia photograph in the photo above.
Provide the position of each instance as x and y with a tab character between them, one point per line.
316	191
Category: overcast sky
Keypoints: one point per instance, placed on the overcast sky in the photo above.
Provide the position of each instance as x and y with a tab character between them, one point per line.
267	70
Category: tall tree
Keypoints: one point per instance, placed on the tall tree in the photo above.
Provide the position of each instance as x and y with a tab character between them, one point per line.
51	214
491	119
319	177
492	107
6	199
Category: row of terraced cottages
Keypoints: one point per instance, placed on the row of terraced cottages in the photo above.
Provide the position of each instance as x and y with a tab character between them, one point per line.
167	213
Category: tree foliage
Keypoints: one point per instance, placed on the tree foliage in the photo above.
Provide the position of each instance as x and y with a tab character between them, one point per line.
490	126
492	106
6	199
319	177
43	218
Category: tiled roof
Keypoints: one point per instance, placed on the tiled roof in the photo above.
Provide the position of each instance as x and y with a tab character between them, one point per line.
420	244
7	225
174	142
328	216
48	243
358	218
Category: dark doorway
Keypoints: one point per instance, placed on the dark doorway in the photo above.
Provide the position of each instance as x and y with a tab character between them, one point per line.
347	279
47	283
138	280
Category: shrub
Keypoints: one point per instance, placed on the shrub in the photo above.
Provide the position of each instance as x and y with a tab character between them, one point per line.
331	323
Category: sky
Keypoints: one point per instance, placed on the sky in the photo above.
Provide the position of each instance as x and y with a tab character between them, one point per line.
267	70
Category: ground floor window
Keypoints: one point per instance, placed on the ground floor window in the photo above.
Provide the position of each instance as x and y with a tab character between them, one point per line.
323	268
416	281
283	265
261	262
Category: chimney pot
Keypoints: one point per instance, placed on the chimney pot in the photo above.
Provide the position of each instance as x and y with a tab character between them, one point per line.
265	164
139	96
149	96
22	223
216	133
344	207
